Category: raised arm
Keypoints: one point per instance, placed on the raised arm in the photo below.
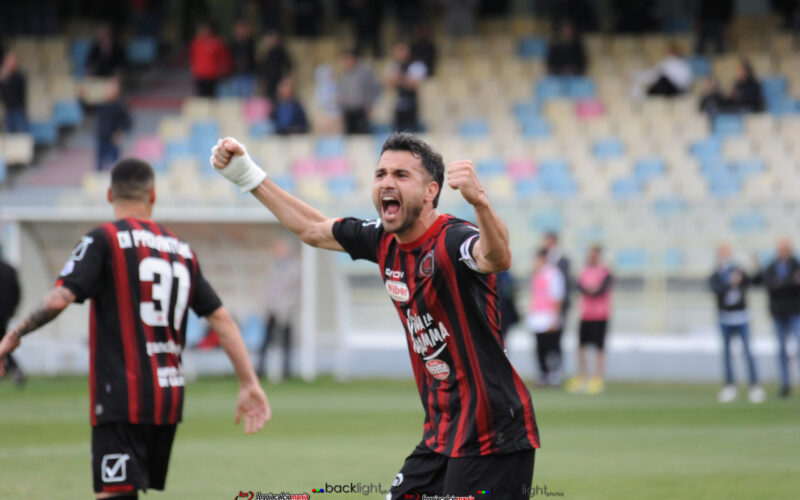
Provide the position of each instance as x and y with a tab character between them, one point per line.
252	403
52	304
491	252
231	159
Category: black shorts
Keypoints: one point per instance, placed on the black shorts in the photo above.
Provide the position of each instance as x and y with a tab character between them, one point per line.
593	332
425	472
130	457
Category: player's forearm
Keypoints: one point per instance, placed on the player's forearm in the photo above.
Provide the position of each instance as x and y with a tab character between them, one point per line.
52	304
296	215
494	241
231	341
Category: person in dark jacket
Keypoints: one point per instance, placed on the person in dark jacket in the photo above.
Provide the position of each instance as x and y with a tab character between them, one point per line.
746	96
274	62
782	281
287	113
106	56
13	94
113	119
243	55
9	300
566	55
729	284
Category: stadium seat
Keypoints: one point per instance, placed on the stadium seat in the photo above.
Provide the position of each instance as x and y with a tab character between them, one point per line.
257	109
329	146
608	148
701	67
630	260
334	166
706	149
646	169
548	220
673	260
68	113
580	88
535	127
45	133
79	53
262	128
551	87
728	124
532	47
284	182
305	167
589	108
528	189
748	222
474	129
16	149
253	332
521	168
491	167
525	109
625	189
148	147
3	170
342	187
142	50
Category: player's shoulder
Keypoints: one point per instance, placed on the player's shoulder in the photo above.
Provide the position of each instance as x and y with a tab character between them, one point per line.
454	227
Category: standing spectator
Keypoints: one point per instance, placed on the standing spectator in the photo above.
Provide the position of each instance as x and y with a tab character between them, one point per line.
275	63
287	113
367	19
9	300
561	261
782	281
459	17
113	119
548	290
210	60
566	55
405	75
283	297
13	93
594	284
746	96
671	77
357	90
329	117
243	54
423	48
713	17
729	284
507	300
106	57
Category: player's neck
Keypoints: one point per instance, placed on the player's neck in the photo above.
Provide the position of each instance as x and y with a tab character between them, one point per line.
423	222
132	209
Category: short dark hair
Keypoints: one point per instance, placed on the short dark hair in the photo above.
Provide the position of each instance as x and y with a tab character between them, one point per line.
541	252
131	179
431	160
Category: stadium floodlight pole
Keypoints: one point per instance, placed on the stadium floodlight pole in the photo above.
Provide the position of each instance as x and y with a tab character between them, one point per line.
438	272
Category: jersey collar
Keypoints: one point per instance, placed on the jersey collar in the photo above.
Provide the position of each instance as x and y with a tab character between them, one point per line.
433	229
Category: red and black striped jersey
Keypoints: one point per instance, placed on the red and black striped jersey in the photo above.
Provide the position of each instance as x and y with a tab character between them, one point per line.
140	278
475	402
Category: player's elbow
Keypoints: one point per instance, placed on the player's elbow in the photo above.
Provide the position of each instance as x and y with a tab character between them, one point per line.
496	263
219	317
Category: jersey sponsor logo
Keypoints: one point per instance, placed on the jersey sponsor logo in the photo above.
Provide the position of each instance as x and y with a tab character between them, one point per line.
426	265
438	368
170	376
398	290
168	347
114	467
394	274
425	334
143	238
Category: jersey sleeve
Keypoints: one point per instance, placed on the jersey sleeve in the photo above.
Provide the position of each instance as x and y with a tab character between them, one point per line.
359	238
460	240
205	300
83	272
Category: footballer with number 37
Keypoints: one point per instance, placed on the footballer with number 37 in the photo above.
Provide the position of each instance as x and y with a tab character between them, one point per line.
480	431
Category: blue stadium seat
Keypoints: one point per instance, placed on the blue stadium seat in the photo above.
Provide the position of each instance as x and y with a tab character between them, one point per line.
535	127
563	187
701	66
330	146
673	259
532	46
646	169
253	332
727	125
142	50
713	168
774	87
262	129
754	166
782	107
68	113
765	256
3	171
194	330
525	109
474	129
203	137
527	189
284	182
748	222
631	260
551	87
556	167
580	87
491	167
669	206
225	88
341	187
724	187
177	149
79	53
625	189
706	149
548	220
381	129
44	133
608	148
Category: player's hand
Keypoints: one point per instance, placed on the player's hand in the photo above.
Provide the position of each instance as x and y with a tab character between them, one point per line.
252	404
230	158
7	346
461	176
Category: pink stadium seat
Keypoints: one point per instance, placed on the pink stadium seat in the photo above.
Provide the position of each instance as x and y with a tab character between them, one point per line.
589	108
305	167
257	109
148	147
521	168
335	167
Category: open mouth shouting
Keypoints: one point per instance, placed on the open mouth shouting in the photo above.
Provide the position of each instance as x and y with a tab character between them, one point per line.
390	207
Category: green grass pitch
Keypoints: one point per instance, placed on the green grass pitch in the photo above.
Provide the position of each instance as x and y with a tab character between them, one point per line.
636	441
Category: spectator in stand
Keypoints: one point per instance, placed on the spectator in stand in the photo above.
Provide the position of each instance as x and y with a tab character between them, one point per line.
671	77
712	101
210	60
746	96
594	284
106	57
566	55
275	63
405	75
357	90
729	284
459	17
287	113
423	47
713	17
243	54
13	94
367	19
544	317
113	119
782	281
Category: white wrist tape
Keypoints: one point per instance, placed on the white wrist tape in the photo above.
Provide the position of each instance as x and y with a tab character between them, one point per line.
243	172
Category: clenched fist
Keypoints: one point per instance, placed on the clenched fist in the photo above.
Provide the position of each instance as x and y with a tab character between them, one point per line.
224	151
461	175
230	158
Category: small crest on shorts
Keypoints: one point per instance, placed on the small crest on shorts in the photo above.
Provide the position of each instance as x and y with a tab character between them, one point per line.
426	265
